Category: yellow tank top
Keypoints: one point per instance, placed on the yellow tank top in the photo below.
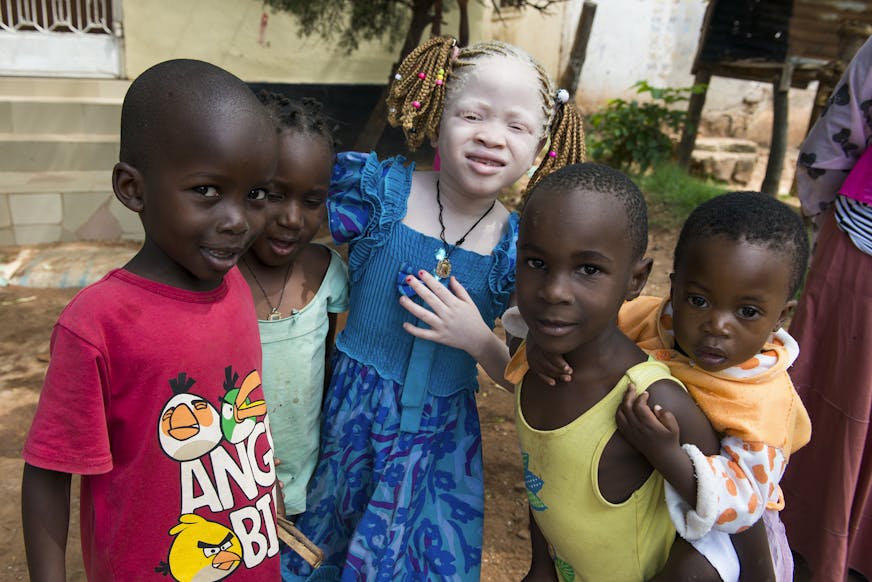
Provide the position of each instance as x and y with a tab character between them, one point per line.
592	539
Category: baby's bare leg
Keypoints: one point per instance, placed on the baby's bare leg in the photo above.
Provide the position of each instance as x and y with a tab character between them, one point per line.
685	564
752	549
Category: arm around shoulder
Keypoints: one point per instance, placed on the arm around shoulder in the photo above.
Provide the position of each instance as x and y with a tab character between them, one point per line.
45	515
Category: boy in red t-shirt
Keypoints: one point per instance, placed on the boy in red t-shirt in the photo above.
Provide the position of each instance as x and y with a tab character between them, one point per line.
153	391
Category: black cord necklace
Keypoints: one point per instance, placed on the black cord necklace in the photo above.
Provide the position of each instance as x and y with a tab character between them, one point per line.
443	264
274	312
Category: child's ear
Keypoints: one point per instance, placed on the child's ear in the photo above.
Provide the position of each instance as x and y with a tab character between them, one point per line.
786	313
639	276
127	184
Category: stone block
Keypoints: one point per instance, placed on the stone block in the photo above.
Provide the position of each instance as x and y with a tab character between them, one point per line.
5	218
27	209
724	159
7	237
79	207
726	144
34	234
101	226
744	169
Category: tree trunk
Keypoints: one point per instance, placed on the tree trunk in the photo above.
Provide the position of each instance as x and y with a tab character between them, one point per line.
778	145
375	125
572	73
463	29
694	115
436	28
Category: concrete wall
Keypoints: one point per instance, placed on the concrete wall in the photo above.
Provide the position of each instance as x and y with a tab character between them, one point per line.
230	34
58	137
652	40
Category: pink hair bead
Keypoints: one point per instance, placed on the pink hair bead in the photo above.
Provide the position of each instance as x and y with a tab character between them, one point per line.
422	75
417	105
552	154
438	81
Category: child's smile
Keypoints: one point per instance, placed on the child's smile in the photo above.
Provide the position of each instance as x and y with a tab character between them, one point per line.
491	129
573	268
295	206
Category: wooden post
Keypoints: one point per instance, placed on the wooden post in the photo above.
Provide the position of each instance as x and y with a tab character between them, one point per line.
778	144
572	73
694	115
463	27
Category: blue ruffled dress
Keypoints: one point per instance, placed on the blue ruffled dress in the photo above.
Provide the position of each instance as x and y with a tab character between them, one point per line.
398	493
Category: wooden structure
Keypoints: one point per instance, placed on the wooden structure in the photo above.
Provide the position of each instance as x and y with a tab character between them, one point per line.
787	43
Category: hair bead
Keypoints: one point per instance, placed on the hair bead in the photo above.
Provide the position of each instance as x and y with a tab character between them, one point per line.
416	100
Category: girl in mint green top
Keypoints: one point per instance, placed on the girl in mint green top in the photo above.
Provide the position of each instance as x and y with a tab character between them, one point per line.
298	287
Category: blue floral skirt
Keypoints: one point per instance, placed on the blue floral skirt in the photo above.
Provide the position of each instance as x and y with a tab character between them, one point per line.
386	505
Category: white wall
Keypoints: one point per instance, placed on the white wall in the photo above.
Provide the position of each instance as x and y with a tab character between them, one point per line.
656	41
632	40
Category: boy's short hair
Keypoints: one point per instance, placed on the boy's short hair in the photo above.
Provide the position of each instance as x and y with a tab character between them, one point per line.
751	217
173	90
592	177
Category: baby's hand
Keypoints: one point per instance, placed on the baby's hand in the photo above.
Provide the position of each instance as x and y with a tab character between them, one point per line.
549	367
651	432
454	320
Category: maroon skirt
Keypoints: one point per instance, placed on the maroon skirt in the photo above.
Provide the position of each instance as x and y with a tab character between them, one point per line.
828	483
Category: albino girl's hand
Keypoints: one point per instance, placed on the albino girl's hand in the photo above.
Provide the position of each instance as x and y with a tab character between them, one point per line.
548	366
454	320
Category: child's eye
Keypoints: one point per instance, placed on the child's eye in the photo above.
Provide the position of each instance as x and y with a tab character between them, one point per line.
314	202
697	301
257	194
749	312
275	196
207	191
589	270
535	263
519	127
470	116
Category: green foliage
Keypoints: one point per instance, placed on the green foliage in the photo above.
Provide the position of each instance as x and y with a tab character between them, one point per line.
635	136
672	194
349	21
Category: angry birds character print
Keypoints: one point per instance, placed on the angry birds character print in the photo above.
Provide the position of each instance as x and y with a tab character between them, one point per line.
238	412
202	551
189	426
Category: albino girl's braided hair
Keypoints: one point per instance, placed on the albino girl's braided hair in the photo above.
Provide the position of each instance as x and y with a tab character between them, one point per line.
436	69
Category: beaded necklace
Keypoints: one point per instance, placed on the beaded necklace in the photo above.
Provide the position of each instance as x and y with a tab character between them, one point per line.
443	255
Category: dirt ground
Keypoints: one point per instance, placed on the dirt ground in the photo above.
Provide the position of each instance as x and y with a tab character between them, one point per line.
26	318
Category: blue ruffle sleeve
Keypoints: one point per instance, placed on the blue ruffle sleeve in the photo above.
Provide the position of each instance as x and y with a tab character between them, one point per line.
501	279
367	198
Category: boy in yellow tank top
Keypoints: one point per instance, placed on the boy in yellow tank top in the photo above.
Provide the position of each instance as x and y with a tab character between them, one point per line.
597	509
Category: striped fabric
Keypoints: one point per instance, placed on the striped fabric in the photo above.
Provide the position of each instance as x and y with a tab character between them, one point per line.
855	219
